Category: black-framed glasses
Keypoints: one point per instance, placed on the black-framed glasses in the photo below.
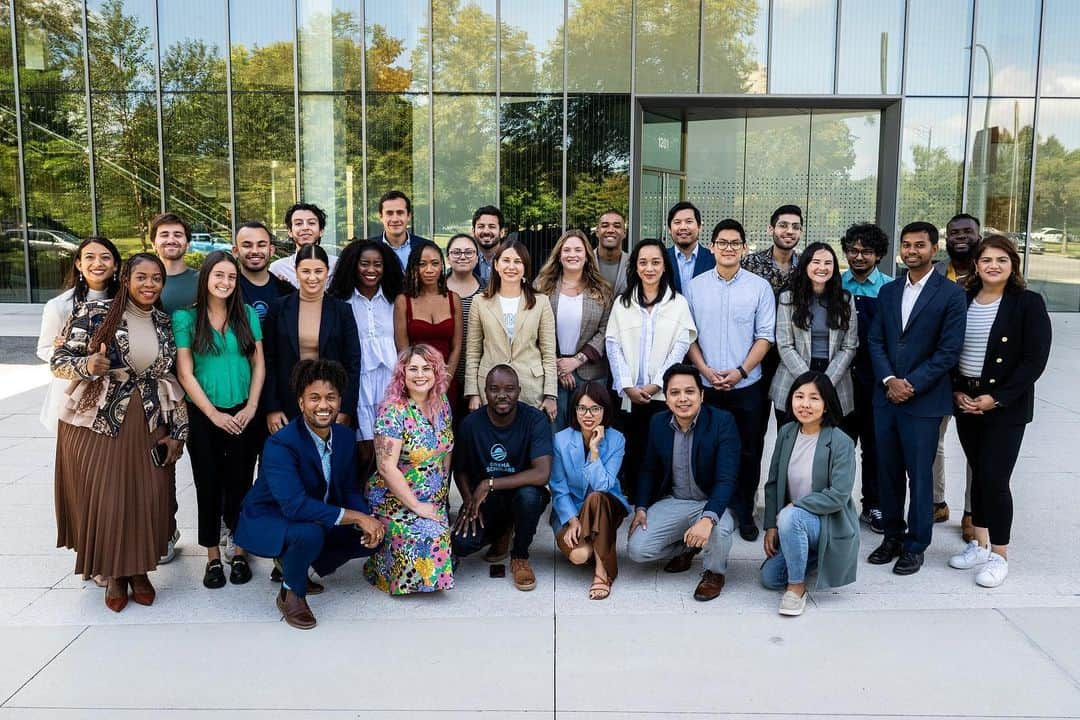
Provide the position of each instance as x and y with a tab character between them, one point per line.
590	410
462	254
782	225
864	252
733	244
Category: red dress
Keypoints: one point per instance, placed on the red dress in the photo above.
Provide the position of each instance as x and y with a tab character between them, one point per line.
438	335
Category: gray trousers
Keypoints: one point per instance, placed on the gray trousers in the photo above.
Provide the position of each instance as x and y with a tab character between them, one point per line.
667	521
939	469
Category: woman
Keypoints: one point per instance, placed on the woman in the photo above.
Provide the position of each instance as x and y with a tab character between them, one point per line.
409	492
1006	347
581	301
368	278
511	324
652	321
426	312
587	504
810	517
816	329
308	324
464	253
95	275
121	431
219	361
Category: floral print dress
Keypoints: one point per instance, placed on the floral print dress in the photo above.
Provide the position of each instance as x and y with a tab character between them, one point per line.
415	554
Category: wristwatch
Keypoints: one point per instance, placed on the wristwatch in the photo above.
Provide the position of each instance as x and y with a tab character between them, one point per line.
742	372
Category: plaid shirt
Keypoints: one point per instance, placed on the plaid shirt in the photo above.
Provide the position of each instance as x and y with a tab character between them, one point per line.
761	263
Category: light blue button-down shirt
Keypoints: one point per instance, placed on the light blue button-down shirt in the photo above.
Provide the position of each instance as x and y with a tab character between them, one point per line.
874	282
325	448
730	316
686	267
403	251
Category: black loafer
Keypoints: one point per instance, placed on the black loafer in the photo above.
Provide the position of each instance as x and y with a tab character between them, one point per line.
909	563
241	571
749	531
215	575
275	573
886	552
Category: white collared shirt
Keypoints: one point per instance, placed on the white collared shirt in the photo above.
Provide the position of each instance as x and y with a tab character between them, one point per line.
910	297
375	327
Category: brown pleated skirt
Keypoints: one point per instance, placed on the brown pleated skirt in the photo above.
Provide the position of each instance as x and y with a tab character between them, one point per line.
600	516
112	502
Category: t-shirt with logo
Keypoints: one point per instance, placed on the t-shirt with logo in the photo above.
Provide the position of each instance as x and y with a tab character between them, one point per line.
261	297
483	450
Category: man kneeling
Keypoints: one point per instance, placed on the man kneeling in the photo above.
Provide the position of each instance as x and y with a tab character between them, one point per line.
307	506
691	461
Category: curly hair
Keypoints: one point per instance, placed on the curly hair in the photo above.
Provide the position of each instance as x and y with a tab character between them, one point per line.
396	392
596	285
346	278
312	370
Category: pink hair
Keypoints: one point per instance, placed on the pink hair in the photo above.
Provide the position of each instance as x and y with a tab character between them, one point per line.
396	392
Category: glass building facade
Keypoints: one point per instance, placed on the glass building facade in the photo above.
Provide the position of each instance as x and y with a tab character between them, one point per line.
555	110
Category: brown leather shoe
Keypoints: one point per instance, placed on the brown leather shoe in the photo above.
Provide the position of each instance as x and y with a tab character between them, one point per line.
119	600
681	563
142	591
500	548
710	586
524	578
314	588
941	512
967	528
295	610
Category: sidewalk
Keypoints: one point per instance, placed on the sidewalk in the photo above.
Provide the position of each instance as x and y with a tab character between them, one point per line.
930	645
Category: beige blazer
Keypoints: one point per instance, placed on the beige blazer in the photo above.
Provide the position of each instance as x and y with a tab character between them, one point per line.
532	353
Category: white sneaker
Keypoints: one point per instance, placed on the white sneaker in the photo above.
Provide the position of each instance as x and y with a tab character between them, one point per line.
994	572
792	604
973	556
171	553
228	549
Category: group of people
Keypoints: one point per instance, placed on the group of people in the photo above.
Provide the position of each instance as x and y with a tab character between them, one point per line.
614	383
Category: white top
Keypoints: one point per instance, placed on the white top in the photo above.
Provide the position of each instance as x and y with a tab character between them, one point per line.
375	326
54	320
980	319
285	269
911	296
568	323
509	311
800	473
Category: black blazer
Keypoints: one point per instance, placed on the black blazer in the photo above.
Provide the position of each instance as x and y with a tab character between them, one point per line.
338	341
1016	354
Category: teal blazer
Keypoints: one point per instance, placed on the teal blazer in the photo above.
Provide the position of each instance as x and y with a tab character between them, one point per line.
830	499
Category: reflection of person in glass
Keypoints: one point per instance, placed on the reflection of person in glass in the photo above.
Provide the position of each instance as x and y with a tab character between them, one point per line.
305	224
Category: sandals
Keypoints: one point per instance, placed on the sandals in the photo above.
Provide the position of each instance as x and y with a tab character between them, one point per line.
600	589
215	575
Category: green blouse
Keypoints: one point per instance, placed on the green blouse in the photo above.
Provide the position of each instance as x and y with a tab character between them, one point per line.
224	376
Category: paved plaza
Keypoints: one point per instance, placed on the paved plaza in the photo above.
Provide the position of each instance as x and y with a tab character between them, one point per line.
930	645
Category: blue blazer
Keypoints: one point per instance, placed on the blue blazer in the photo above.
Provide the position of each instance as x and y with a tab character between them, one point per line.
572	478
702	263
290	487
338	340
716	458
923	353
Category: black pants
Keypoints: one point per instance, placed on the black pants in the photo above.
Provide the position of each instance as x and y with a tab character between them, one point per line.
906	445
859	425
635	426
222	466
519	508
747	407
992	448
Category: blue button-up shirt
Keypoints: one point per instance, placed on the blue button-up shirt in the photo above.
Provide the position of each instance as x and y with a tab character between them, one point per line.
874	282
730	316
325	448
685	267
403	251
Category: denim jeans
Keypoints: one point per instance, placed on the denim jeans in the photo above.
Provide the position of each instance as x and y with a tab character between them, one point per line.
519	508
799	531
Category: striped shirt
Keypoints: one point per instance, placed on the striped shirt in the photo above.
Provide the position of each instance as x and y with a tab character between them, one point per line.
980	318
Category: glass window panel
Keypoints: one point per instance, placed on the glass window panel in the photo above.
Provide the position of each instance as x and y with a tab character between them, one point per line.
532	58
12	243
598	157
999	170
262	34
1053	262
803	46
264	146
777	147
736	46
398	154
331	40
195	127
1060	51
193	45
50	45
1007	38
464	160
715	167
661	141
931	160
396	33
667	45
332	149
531	169
939	47
871	47
464	45
598	38
122	45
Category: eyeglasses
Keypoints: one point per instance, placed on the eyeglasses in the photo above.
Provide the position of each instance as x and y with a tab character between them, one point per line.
462	254
797	227
590	410
726	244
422	370
864	252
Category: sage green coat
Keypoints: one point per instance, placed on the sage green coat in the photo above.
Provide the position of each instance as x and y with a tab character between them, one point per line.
830	499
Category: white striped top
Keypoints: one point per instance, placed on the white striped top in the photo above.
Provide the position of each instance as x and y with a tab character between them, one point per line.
980	318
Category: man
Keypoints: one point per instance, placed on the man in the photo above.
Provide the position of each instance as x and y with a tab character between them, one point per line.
686	257
307	506
962	236
395	213
171	235
252	249
685	486
489	228
915	341
610	235
735	313
305	224
502	460
864	246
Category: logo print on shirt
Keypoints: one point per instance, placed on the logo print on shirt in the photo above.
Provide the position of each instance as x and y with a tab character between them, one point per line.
498	452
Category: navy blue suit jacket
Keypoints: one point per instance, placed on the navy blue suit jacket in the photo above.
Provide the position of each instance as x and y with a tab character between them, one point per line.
715	458
926	350
290	487
414	242
338	340
702	263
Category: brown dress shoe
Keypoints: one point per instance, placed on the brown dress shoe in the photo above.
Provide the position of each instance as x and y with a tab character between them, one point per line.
142	591
967	528
314	588
524	578
295	610
710	586
681	563
941	512
119	600
500	548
